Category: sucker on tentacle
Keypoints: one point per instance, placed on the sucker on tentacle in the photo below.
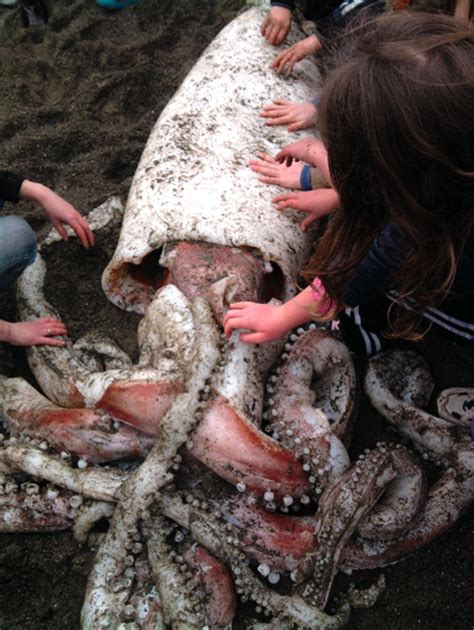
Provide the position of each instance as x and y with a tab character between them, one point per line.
341	508
144	608
212	534
181	608
29	508
194	595
312	420
96	483
102	605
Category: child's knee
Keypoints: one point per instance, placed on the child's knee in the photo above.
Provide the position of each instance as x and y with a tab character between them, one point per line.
18	248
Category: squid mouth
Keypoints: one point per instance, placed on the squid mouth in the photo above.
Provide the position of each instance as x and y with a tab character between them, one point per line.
221	274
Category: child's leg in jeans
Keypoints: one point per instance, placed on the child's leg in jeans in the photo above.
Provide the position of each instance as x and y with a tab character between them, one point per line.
17	249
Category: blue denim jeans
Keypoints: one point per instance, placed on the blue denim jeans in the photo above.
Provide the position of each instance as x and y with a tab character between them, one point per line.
17	249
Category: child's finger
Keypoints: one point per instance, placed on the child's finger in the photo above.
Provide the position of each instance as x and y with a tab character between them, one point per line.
269	180
271	34
266	158
277	60
253	337
290	63
282	197
307	222
296	126
264	24
60	228
236	305
82	234
263	167
49	341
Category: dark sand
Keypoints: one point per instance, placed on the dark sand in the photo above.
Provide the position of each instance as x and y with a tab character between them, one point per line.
77	102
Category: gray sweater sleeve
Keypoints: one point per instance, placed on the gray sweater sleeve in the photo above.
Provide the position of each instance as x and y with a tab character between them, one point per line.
286	5
10	185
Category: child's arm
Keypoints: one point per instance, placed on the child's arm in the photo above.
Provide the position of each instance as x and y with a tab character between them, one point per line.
58	211
267	322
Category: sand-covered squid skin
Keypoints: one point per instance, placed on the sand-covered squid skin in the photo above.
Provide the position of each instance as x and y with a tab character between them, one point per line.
399	385
193	184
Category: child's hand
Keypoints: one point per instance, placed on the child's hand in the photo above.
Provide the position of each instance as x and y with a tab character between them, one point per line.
286	60
58	210
276	25
309	150
276	173
264	321
296	115
36	332
317	203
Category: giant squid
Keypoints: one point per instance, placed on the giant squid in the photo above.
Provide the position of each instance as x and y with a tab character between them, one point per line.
265	428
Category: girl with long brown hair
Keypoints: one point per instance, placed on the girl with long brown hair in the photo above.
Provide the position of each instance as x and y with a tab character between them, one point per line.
397	121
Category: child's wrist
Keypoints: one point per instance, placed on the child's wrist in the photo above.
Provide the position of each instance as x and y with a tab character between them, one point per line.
33	191
314	44
295	312
324	304
5	331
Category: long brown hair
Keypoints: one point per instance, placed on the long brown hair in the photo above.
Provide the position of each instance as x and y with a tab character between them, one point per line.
397	118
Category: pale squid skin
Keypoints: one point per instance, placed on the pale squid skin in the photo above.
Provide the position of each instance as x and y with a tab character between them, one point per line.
193	182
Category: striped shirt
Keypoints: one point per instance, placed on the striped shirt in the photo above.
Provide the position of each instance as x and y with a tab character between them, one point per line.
372	282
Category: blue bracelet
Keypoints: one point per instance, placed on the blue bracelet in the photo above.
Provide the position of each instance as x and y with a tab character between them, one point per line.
305	177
